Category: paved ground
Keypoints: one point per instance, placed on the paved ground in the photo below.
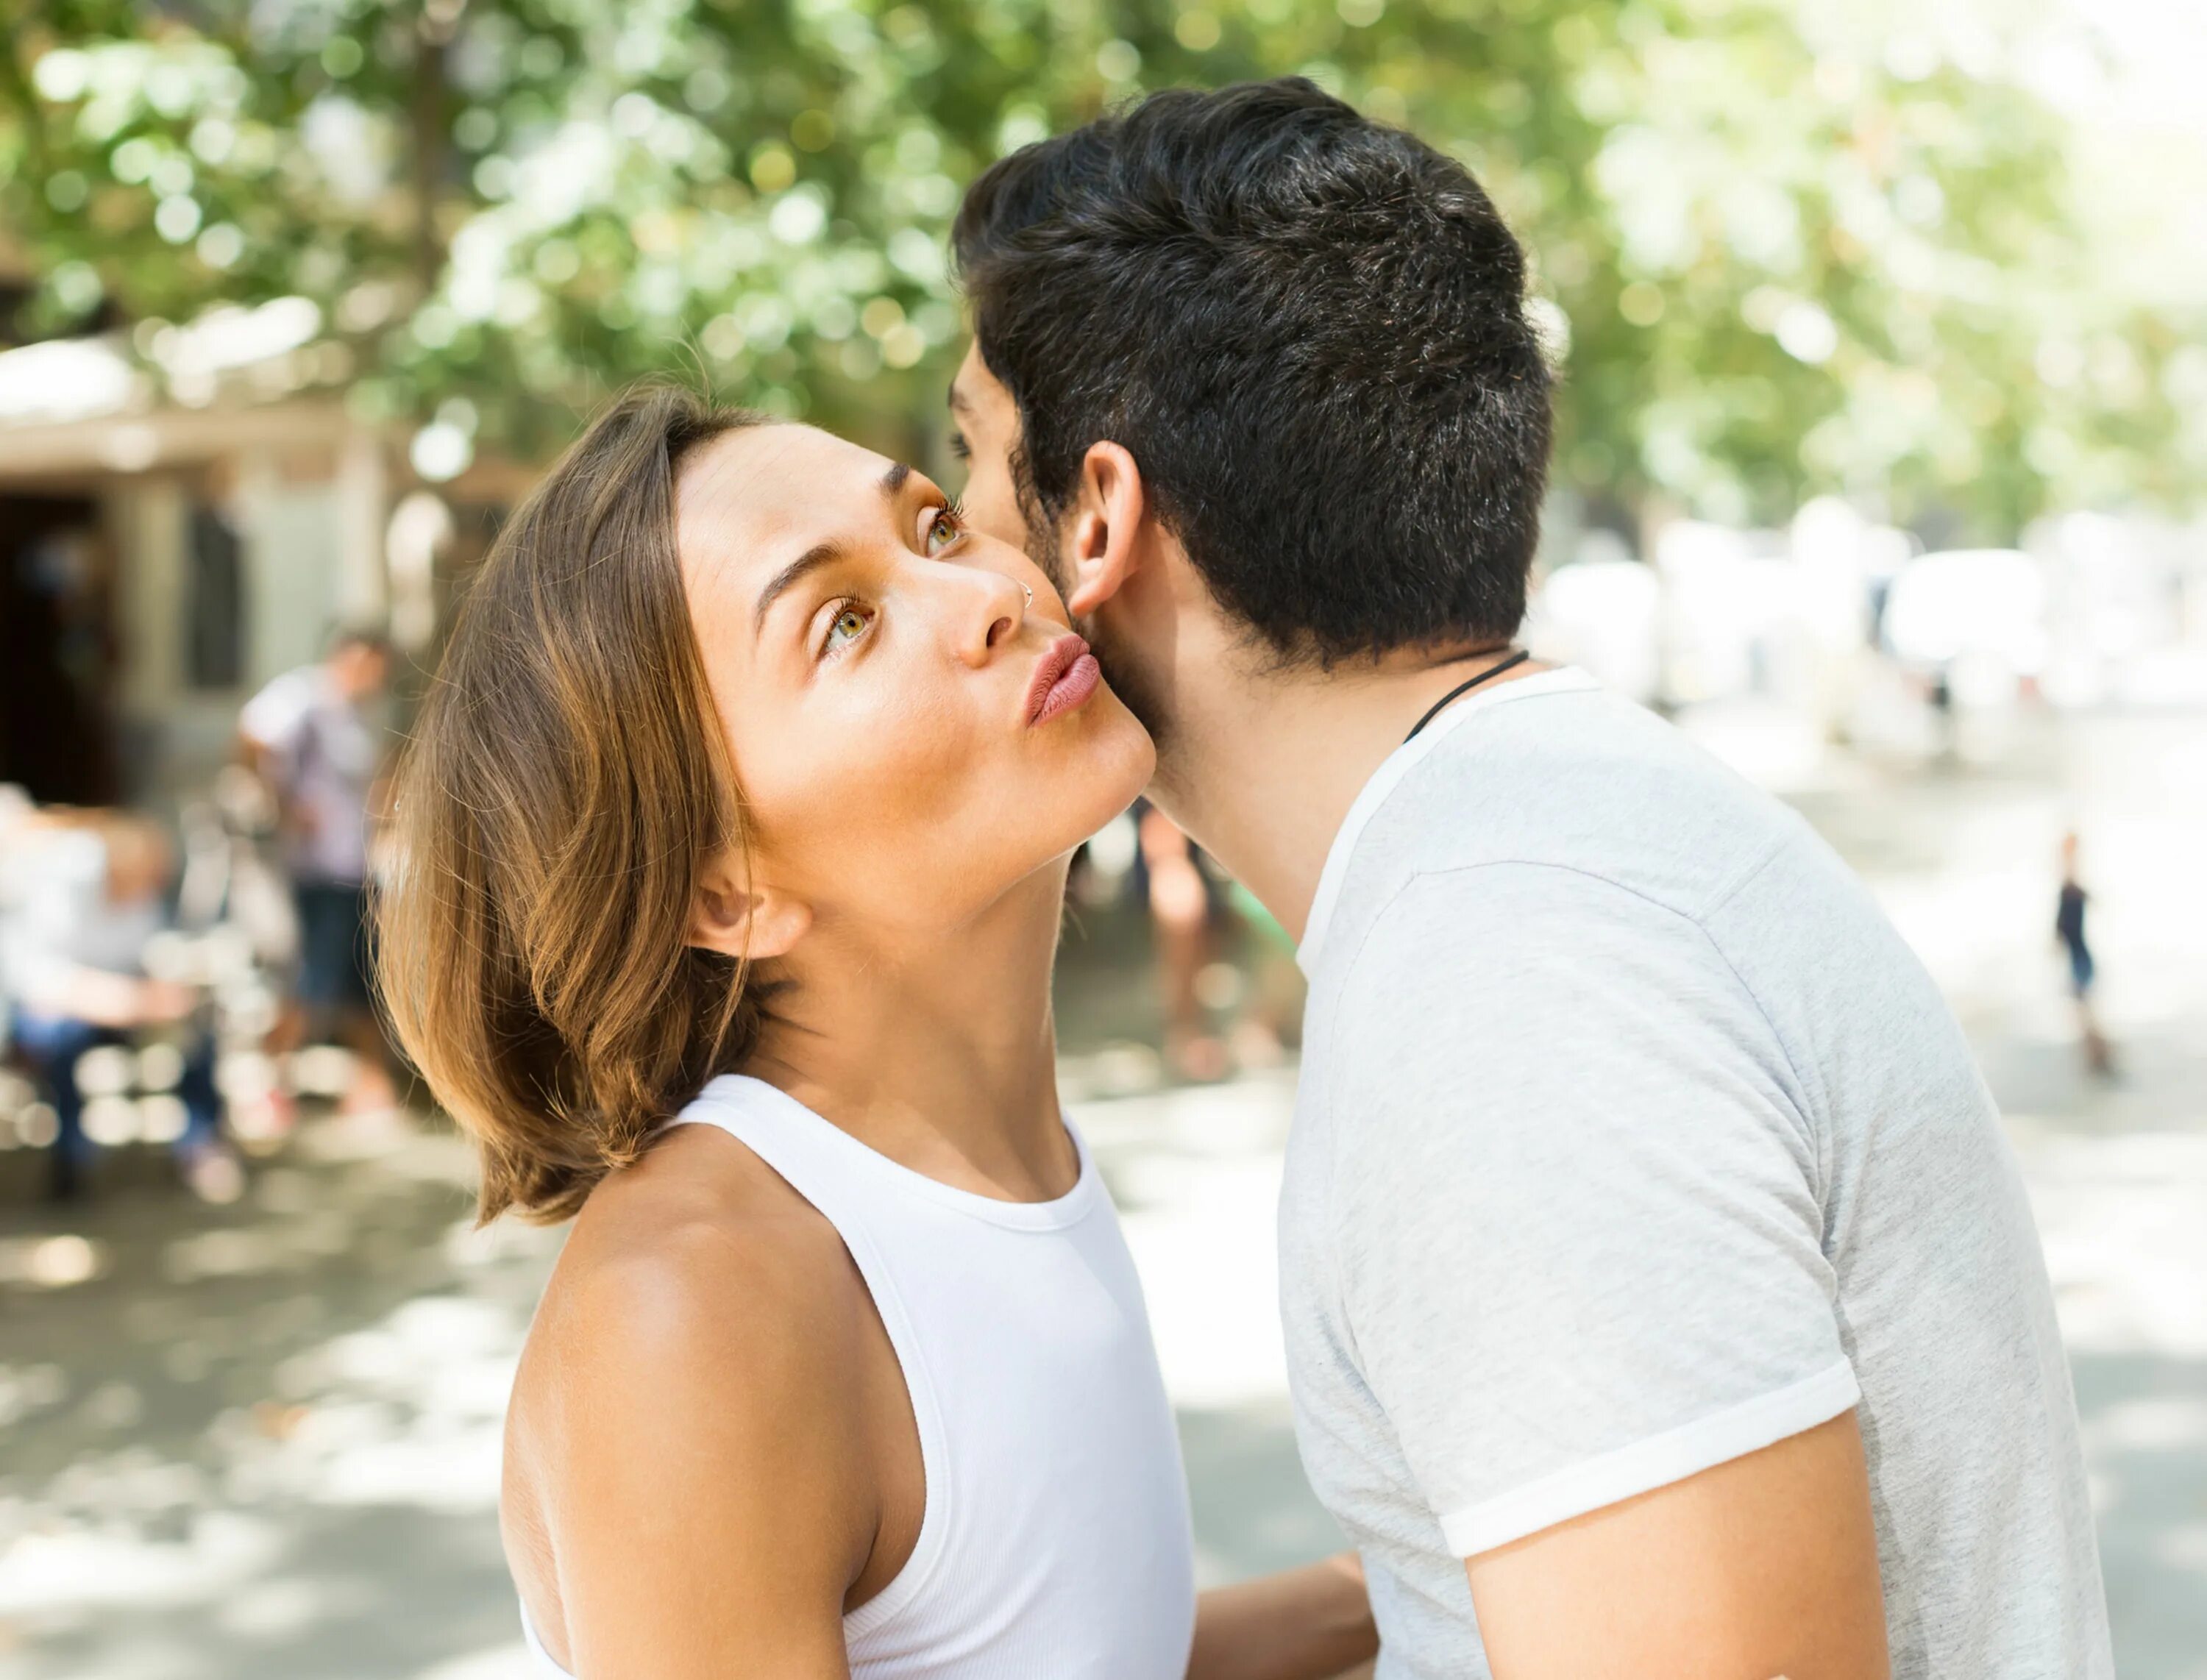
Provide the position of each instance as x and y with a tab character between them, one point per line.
260	1442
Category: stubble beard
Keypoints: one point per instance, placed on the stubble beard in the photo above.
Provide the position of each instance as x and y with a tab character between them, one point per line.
1121	668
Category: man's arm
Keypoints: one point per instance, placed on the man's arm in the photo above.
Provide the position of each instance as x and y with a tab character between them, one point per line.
1583	1260
266	762
1310	1623
1764	1565
110	1000
270	727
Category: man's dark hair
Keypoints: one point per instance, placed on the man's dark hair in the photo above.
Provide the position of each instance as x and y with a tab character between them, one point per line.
1308	328
357	633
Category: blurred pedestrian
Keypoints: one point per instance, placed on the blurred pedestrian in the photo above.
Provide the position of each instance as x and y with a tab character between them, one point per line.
1273	1004
2069	929
85	893
310	736
1939	691
1180	921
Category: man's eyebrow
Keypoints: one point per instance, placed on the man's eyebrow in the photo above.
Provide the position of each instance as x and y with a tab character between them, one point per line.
819	554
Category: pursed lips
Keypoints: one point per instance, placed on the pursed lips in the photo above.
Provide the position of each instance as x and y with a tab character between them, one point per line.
1067	675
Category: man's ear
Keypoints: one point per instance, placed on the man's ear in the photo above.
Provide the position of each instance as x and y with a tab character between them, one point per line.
1103	546
742	917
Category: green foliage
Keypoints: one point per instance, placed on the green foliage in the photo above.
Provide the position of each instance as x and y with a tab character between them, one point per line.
1777	263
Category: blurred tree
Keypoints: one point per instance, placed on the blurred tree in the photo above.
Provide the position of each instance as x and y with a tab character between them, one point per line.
1776	254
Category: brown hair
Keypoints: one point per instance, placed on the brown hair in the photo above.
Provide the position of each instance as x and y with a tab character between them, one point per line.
565	784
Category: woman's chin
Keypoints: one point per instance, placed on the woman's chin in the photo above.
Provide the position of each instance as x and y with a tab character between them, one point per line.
1120	770
1123	749
1108	778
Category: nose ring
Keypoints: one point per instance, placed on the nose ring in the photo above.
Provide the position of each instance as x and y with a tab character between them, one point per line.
1029	588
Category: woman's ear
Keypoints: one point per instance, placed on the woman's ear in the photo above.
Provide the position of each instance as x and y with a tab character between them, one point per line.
744	918
1105	547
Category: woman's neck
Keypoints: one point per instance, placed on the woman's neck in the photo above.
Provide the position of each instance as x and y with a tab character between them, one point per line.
938	1052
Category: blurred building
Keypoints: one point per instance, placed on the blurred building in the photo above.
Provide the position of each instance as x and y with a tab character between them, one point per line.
179	524
1822	617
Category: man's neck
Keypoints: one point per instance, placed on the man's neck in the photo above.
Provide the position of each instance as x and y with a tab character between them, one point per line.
1262	768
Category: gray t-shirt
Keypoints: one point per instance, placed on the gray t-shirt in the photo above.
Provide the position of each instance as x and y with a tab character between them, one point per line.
324	758
1631	1139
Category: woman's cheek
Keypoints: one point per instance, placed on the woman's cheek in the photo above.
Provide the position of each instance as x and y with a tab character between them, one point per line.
897	776
929	748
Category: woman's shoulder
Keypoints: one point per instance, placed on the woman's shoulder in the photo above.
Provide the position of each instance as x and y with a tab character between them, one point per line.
695	1270
695	1379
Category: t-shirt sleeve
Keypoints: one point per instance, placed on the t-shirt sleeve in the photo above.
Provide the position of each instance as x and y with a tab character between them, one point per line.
276	717
1577	1201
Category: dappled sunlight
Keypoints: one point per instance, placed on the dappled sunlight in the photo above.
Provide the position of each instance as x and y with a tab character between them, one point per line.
270	1424
2124	1220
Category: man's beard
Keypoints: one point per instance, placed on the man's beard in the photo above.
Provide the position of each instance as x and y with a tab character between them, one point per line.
1121	669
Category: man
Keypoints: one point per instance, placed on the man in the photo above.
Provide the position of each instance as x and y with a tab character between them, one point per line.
1660	1295
81	897
309	735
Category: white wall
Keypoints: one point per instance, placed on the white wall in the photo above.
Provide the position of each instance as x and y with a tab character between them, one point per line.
295	565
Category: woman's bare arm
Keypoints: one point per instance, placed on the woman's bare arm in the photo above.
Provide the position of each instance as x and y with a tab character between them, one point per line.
709	1490
1310	1623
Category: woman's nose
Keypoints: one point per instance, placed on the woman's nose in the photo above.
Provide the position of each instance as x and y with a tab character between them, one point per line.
992	619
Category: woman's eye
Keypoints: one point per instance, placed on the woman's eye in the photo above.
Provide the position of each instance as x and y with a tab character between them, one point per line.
846	627
943	529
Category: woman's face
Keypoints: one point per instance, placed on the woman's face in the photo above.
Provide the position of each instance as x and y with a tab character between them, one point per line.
914	733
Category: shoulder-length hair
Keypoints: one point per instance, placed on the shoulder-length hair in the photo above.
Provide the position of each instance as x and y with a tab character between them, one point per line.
566	784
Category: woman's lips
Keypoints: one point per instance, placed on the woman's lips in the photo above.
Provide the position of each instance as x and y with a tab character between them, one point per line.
1068	675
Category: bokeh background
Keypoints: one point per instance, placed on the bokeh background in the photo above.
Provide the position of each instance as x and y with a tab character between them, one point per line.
1883	469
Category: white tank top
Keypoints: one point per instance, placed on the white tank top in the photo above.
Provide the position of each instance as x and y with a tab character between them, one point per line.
1055	1540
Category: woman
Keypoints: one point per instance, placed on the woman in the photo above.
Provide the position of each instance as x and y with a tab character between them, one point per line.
730	850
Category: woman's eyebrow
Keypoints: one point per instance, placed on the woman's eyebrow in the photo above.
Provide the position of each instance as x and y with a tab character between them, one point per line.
819	554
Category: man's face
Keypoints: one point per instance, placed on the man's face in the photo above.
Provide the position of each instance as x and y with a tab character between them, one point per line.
986	437
360	669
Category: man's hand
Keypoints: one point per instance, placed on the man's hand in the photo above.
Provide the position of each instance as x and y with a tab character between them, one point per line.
1765	1565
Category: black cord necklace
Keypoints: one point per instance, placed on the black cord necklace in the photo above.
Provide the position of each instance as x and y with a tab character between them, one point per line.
1461	689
